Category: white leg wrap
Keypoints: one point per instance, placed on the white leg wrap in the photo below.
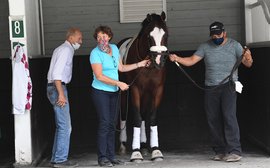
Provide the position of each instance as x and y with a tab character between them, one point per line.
136	138
153	136
123	133
143	134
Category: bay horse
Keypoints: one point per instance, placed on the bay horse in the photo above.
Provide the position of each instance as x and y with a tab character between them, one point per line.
146	84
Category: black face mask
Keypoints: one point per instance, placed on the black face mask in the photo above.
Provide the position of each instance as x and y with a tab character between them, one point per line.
218	41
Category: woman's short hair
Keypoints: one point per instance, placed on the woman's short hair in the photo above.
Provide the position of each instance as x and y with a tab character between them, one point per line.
105	29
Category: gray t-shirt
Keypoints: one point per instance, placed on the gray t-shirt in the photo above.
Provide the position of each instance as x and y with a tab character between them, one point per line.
219	60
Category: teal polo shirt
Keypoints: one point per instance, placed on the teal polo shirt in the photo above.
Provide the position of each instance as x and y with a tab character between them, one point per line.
109	67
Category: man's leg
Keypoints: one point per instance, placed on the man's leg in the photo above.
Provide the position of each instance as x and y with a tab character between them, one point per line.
231	128
214	118
63	127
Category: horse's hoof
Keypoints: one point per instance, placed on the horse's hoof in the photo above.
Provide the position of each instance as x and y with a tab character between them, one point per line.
157	155
137	161
136	157
144	151
157	159
122	150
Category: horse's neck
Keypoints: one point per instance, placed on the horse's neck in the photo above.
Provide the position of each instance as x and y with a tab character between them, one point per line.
142	47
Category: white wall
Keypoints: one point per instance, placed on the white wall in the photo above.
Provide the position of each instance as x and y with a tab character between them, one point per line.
4	33
257	25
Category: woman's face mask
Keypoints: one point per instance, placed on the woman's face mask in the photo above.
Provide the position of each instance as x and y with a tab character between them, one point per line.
103	42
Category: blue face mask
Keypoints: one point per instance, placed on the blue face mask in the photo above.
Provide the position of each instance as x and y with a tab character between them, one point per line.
218	41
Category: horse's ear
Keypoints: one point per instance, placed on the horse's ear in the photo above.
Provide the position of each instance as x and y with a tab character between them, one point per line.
149	17
163	15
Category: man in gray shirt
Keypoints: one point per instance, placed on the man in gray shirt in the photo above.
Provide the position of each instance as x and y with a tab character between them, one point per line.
220	54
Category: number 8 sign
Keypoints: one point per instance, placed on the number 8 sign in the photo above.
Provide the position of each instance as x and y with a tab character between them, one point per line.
16	25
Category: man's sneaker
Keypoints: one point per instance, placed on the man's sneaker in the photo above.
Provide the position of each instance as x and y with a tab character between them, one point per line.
66	164
232	157
117	162
218	157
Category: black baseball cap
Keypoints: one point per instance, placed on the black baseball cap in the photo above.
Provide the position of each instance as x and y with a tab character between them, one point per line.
216	28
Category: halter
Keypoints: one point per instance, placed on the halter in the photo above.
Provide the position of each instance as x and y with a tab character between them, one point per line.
158	50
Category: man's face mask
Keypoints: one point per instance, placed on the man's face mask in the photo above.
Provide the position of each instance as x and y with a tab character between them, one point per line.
76	46
218	41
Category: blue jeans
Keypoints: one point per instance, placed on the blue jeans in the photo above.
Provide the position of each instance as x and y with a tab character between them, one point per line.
63	126
106	104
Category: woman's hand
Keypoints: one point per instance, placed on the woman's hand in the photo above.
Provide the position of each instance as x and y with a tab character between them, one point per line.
123	86
143	63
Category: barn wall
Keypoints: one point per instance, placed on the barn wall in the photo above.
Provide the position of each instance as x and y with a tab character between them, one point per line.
6	118
182	104
188	21
4	33
254	109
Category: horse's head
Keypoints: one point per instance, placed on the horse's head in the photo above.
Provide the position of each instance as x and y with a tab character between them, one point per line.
154	31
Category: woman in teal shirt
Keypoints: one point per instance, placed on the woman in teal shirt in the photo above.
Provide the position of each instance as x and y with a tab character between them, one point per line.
105	62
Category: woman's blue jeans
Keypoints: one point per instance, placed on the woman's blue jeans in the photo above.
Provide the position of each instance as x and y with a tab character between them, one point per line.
106	106
63	126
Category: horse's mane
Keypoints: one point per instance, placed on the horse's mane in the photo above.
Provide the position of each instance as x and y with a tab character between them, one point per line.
154	20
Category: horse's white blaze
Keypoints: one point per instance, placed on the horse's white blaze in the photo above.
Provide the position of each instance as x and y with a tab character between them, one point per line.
158	59
158	48
157	35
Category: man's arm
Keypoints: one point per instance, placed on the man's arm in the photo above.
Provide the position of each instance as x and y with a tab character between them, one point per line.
61	96
186	61
247	58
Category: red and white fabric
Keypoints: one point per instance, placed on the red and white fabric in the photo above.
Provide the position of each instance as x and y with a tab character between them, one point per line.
21	82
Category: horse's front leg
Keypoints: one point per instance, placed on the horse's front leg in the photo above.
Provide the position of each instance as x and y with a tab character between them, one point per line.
156	153
123	124
136	155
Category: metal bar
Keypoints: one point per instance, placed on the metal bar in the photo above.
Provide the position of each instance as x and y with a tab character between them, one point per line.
264	7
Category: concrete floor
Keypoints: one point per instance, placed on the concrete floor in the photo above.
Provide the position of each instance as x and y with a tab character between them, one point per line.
179	160
186	155
197	157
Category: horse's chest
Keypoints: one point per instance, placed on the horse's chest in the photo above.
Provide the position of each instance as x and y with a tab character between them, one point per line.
150	79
